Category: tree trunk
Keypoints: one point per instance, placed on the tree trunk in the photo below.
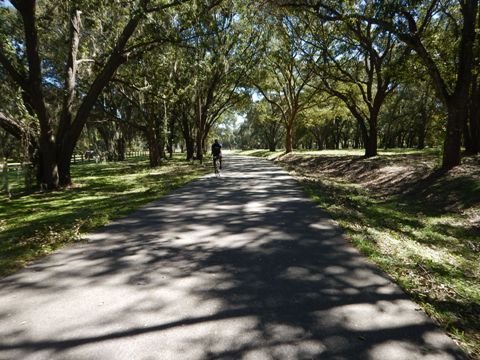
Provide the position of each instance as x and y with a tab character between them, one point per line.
475	130
64	164
472	125
422	129
48	172
370	145
48	169
371	140
70	134
120	148
170	146
467	138
161	122
289	138
106	135
271	146
190	148
64	156
187	135
153	150
68	131
172	121
199	145
161	144
456	102
453	137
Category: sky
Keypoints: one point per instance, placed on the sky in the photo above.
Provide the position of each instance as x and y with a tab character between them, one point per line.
5	3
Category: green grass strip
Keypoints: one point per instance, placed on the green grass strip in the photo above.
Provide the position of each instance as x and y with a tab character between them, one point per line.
34	225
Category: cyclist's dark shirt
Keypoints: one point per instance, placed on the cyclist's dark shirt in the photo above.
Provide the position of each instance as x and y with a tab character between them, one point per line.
216	149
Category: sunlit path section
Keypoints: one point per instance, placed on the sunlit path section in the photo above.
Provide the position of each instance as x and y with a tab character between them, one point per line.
238	267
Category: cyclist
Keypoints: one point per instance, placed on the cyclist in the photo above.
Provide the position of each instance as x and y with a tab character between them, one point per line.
217	152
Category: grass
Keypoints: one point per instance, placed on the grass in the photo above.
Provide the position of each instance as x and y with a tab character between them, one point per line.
342	152
421	228
16	180
36	224
262	153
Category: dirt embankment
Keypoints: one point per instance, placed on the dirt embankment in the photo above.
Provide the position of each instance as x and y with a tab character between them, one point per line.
413	176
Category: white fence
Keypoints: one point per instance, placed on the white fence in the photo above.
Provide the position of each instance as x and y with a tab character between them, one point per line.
16	177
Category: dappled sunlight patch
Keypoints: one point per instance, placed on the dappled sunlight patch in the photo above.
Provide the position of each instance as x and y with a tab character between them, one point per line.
403	247
86	199
420	226
216	282
101	192
257	207
401	350
328	226
443	219
375	316
334	270
358	152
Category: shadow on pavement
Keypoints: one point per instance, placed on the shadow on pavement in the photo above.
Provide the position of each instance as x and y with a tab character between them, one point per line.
241	267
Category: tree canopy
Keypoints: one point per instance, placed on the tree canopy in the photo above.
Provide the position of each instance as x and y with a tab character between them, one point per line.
170	74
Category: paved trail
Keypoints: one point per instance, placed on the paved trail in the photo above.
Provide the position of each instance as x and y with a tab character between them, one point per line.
242	267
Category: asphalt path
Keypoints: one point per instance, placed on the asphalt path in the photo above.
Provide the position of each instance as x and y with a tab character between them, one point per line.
243	266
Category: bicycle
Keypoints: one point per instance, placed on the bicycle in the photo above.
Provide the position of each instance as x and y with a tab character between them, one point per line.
215	165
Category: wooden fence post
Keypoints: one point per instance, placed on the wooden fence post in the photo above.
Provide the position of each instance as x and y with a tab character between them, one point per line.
27	173
19	171
6	186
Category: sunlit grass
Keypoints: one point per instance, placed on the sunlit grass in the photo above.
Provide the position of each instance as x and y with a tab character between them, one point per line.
343	152
262	153
36	224
436	266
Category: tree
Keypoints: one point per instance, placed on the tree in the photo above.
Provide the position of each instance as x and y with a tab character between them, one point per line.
285	79
454	92
411	115
267	122
329	124
224	45
357	63
428	28
58	136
